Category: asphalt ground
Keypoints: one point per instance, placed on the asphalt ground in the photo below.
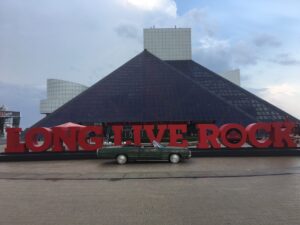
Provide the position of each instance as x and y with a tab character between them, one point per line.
220	190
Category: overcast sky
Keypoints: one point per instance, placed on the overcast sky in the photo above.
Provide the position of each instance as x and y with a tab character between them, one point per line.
83	41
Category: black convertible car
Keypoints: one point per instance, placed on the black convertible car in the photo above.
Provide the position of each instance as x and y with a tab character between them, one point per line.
124	153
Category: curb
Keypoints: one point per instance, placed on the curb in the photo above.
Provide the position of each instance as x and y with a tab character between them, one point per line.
195	153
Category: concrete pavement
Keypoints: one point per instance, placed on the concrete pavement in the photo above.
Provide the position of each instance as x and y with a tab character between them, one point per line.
254	190
108	169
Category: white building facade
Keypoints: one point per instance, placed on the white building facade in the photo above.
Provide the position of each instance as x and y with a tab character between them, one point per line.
58	93
169	43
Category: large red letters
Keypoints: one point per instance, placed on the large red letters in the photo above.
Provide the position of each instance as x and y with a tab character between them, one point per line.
32	137
238	129
90	138
207	134
150	129
281	134
67	137
13	144
252	130
93	142
175	136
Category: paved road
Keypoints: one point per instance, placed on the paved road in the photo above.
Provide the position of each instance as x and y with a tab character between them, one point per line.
108	169
250	191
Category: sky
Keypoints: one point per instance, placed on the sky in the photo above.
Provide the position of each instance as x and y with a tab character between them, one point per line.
83	41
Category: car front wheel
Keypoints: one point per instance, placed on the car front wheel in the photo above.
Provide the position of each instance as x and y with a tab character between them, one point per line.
174	158
121	159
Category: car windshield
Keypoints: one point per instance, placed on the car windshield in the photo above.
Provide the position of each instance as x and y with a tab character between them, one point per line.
157	145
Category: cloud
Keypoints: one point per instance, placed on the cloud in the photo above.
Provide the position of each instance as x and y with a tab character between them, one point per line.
78	42
283	96
256	91
245	78
222	55
244	54
285	60
213	54
167	6
212	43
266	40
199	20
50	39
127	31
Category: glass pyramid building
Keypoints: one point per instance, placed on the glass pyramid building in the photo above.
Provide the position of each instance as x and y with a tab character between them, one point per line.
164	85
148	89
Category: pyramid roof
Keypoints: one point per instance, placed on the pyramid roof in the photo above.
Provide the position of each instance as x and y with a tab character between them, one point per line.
146	89
247	102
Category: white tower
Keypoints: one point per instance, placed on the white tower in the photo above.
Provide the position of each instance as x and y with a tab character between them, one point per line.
58	93
169	43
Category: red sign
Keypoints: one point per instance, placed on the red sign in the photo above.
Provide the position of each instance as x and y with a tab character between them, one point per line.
209	136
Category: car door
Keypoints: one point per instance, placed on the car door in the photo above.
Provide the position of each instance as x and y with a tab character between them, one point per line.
148	153
131	151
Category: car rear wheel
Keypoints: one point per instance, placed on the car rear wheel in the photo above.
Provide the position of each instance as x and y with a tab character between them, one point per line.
174	158
121	159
